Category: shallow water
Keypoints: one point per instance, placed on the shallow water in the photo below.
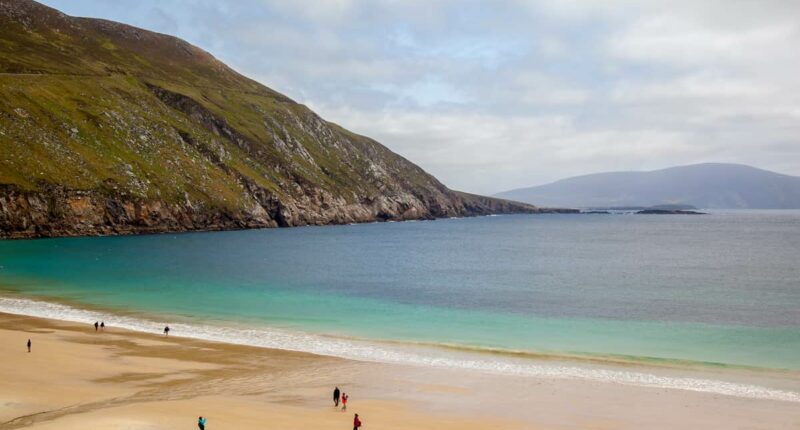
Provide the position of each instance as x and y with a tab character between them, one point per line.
722	288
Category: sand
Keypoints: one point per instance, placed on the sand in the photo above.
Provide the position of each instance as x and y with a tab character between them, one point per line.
76	378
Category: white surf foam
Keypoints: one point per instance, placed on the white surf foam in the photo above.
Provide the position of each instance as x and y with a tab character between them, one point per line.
377	352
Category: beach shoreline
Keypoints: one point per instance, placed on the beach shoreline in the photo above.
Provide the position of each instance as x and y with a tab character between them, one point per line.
713	378
647	371
125	379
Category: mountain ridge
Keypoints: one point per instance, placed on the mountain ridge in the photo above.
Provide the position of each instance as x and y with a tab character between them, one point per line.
106	128
704	185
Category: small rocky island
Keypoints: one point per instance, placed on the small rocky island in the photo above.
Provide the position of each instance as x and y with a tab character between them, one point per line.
669	212
663	209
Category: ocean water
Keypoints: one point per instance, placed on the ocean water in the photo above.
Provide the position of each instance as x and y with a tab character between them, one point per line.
716	290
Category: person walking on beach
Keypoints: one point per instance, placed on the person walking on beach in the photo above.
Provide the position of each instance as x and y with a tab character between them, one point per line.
336	397
356	423
344	401
201	423
103	326
166	331
29	345
96	325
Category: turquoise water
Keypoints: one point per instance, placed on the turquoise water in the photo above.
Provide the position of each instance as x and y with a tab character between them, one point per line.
721	288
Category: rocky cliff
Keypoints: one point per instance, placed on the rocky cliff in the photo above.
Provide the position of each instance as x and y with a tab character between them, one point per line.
111	129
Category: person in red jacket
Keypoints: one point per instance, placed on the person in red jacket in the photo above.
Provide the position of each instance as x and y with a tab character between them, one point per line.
356	423
344	401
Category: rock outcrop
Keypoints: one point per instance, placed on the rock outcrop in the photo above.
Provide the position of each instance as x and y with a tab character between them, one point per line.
58	211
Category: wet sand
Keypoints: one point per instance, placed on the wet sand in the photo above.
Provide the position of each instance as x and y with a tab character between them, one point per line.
77	378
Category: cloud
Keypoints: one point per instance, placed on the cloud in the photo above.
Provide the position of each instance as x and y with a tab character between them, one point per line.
495	95
677	41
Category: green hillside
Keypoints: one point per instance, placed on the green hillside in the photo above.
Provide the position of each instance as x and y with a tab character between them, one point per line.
107	128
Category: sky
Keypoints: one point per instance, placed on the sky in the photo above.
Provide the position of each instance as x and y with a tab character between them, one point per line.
490	96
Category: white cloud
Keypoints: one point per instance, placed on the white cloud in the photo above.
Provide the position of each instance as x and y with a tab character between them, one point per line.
693	88
678	41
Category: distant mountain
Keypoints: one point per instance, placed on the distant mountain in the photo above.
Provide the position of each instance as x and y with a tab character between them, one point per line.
710	185
110	129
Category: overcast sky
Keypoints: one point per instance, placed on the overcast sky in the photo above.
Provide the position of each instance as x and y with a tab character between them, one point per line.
489	96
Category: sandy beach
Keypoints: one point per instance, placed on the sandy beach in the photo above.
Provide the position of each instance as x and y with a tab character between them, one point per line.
76	378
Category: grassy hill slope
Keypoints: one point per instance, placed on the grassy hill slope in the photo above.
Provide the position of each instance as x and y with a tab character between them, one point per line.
106	128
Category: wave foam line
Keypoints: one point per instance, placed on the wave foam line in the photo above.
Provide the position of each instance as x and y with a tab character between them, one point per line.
374	352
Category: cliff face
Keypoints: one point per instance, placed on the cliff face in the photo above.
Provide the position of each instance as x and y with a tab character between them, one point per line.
58	211
111	129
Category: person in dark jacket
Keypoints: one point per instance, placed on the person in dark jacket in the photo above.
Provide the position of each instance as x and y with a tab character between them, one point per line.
336	397
356	422
29	345
96	325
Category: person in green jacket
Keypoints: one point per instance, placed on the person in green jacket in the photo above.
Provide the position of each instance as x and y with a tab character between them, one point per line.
201	422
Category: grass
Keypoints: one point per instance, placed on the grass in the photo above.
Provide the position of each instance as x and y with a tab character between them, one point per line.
77	110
